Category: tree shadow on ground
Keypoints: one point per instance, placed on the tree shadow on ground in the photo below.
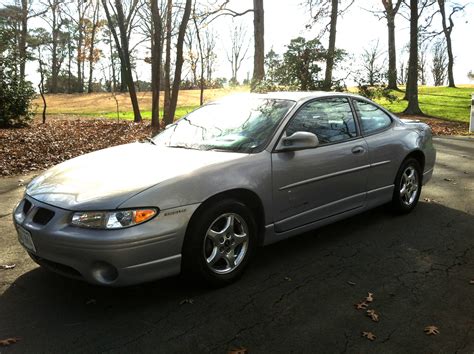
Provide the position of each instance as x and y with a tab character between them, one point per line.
410	262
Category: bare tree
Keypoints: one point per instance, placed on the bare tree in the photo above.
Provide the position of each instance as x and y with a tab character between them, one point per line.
259	43
439	63
423	61
239	46
448	26
122	40
391	9
321	9
372	69
173	99
416	10
93	56
156	55
168	33
56	21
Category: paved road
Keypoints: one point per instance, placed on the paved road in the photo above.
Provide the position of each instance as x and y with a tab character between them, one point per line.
298	296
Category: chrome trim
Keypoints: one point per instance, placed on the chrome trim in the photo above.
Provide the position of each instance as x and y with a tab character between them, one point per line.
176	257
315	179
376	164
429	171
379	189
334	174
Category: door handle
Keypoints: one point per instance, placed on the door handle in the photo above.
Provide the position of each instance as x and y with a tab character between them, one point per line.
358	150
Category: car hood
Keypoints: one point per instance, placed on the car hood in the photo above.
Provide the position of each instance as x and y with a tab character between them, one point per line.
105	179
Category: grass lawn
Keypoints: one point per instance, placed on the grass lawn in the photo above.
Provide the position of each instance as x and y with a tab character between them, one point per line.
443	102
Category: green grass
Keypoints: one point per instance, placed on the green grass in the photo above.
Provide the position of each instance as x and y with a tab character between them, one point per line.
128	115
442	102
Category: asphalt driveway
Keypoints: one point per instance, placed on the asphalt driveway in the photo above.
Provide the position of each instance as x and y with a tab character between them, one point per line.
297	296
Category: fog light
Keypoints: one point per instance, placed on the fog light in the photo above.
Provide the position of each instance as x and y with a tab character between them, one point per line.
104	273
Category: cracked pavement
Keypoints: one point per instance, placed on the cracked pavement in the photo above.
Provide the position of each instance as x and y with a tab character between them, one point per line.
297	296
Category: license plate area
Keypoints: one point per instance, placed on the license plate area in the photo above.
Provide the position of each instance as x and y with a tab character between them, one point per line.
24	236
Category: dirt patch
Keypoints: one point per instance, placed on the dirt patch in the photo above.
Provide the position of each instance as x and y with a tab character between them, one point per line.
40	146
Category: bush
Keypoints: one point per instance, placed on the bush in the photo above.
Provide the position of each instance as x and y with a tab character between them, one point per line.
15	98
376	92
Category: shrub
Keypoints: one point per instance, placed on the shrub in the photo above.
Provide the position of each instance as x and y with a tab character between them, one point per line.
15	98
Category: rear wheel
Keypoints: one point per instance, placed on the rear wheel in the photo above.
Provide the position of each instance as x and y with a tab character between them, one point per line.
407	186
219	243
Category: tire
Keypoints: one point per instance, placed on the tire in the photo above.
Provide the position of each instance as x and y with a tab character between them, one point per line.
215	249
408	184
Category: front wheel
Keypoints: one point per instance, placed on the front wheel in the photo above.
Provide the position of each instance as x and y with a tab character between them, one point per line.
219	243
407	186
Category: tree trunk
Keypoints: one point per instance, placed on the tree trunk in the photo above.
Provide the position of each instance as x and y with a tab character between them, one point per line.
332	46
447	33
123	50
202	59
156	51
23	35
41	88
80	37
167	104
392	53
412	85
95	24
179	60
259	43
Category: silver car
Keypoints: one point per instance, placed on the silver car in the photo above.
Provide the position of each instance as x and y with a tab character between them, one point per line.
201	196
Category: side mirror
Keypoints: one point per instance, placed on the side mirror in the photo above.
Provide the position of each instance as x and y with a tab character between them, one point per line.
298	141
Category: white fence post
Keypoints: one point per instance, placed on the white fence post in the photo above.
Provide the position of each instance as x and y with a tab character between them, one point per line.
471	125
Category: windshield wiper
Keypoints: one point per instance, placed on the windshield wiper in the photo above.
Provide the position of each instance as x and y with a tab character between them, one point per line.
182	147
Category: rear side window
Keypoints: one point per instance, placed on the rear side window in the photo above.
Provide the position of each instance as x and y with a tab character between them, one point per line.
330	119
372	118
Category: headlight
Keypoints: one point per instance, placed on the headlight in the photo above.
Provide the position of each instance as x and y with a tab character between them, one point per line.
112	219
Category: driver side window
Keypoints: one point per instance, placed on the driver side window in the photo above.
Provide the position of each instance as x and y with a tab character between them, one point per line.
330	119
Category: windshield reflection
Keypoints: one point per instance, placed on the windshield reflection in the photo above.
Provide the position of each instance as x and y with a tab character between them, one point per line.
239	125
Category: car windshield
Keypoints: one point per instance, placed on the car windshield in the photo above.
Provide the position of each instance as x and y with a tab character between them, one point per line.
236	125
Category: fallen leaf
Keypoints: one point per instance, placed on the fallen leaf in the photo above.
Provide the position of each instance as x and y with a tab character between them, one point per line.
351	283
361	305
448	179
369	335
471	282
187	301
288	279
373	315
7	266
8	341
431	330
369	298
238	351
91	302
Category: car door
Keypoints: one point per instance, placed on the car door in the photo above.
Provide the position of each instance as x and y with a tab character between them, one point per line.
313	184
385	150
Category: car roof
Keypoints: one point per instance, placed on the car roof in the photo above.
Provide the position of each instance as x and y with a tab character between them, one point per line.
289	95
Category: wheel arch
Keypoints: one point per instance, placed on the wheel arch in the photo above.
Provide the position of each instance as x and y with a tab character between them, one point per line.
419	156
245	196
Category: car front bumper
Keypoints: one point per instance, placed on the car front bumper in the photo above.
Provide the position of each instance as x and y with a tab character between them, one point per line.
119	257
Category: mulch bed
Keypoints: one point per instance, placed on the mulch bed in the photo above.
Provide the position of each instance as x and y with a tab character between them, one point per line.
35	148
441	126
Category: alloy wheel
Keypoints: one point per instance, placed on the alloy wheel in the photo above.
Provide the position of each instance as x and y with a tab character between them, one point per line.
409	186
226	243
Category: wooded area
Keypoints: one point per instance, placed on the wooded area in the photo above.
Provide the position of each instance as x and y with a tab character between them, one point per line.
97	45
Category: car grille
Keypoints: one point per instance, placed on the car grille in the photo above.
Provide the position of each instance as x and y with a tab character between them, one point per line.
26	206
43	216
